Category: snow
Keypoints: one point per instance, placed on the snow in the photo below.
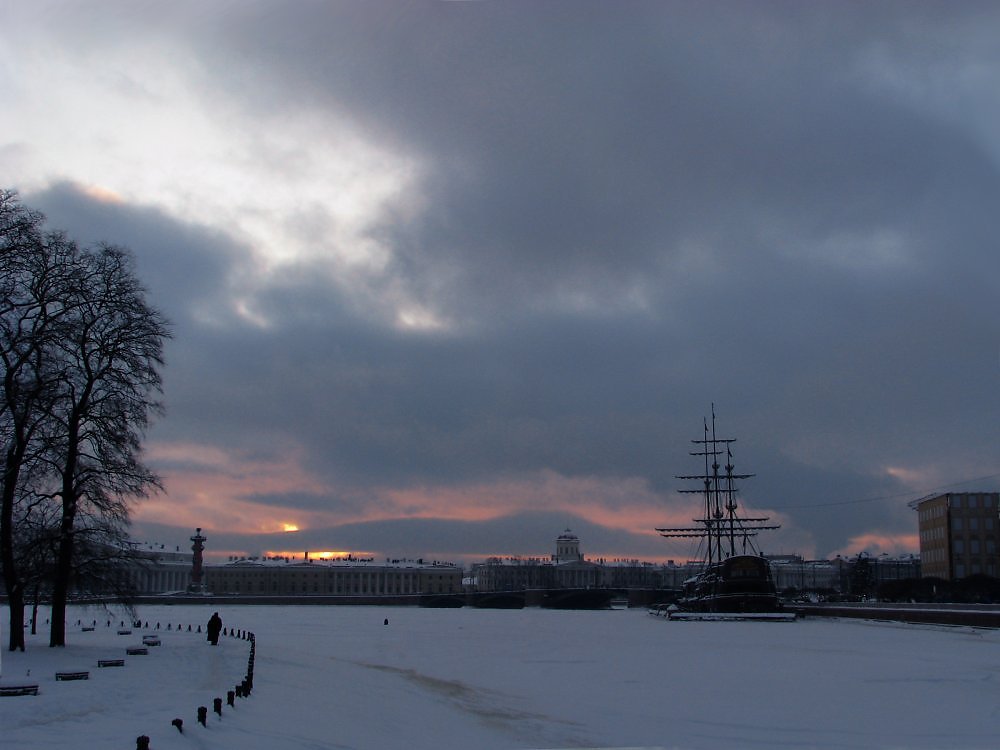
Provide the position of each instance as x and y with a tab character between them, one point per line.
337	677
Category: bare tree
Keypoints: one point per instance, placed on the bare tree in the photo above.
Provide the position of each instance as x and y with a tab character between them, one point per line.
114	352
81	350
34	270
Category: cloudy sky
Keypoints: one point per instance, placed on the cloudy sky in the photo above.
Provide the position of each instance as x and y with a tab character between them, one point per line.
448	278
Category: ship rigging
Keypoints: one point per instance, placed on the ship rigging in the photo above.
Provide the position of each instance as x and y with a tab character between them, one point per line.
735	576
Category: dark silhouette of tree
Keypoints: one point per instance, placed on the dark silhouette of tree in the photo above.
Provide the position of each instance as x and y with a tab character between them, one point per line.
82	351
34	273
114	352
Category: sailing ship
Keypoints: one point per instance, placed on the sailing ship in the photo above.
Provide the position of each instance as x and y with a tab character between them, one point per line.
735	577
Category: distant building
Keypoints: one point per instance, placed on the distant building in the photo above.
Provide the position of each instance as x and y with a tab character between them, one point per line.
793	572
958	534
160	569
567	568
279	576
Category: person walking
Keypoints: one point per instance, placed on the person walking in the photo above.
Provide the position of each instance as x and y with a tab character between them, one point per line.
214	628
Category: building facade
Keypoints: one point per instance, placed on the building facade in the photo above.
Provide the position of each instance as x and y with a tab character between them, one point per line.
160	569
958	534
341	577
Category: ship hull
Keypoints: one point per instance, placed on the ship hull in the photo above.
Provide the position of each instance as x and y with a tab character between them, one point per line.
741	583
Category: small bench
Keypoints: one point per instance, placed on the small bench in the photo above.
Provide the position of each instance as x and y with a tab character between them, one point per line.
110	662
151	640
124	631
137	651
64	676
12	690
87	629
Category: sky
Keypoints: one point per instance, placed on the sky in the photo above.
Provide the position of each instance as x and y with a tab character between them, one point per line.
446	279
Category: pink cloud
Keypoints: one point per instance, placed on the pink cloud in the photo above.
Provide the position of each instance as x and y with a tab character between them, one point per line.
877	543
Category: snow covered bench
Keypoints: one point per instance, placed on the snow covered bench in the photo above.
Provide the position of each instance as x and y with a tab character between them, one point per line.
22	689
110	662
124	631
64	676
151	640
137	651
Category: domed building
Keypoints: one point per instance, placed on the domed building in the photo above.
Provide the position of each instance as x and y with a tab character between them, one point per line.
567	548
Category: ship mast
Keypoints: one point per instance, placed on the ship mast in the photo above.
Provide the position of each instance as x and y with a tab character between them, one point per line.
721	526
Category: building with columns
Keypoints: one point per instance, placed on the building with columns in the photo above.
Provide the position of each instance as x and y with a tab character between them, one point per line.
161	569
349	576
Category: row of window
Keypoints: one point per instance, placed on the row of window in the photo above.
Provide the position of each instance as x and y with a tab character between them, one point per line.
935	511
930	535
316	582
958	546
972	500
937	555
962	570
973	523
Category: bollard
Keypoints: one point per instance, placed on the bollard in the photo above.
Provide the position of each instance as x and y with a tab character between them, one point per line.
202	716
199	628
217	706
157	626
189	628
239	691
142	742
231	698
168	626
179	723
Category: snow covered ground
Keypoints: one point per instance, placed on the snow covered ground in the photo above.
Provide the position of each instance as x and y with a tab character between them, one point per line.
337	677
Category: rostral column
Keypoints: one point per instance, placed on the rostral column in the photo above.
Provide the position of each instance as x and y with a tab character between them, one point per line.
198	547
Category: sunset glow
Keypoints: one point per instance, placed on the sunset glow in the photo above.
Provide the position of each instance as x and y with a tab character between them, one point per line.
318	554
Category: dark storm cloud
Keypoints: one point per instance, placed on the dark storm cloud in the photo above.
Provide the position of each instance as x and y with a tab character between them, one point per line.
578	151
185	267
630	211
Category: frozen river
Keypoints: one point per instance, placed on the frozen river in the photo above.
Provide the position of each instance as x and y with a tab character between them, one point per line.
338	677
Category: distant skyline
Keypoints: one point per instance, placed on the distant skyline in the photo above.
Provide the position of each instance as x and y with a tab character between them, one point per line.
448	278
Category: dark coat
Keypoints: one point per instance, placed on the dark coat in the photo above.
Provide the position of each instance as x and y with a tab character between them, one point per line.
214	628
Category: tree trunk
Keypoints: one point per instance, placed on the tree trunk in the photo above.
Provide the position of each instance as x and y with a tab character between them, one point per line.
63	571
64	557
34	613
11	579
15	602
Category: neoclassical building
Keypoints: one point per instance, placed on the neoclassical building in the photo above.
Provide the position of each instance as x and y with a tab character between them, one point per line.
340	577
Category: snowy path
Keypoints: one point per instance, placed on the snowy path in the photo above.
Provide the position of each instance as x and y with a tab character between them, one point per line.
336	677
